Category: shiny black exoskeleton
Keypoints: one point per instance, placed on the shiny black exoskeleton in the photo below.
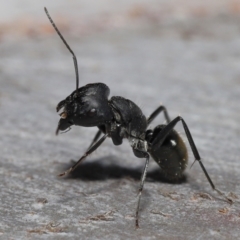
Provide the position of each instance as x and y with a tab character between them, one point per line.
119	118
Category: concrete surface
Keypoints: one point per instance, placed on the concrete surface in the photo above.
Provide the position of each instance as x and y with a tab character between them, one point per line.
191	65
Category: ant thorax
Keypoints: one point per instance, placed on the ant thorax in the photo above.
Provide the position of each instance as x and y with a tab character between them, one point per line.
129	116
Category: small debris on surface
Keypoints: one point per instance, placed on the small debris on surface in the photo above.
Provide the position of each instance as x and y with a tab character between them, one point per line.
160	213
100	217
201	195
172	195
223	210
233	195
89	194
129	216
49	228
41	200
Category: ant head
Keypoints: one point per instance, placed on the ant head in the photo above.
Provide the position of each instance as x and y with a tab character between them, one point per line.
87	106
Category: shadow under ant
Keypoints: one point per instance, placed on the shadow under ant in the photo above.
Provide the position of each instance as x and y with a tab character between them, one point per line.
104	168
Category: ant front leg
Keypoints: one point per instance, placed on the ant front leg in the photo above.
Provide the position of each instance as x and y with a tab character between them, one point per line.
155	114
158	141
88	152
97	136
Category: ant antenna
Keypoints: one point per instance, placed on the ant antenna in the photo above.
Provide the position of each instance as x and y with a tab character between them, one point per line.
64	41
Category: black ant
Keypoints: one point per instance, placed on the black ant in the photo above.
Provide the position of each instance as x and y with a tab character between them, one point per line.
120	118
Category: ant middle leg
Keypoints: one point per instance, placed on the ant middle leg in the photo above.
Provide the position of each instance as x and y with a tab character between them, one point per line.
141	154
155	114
159	139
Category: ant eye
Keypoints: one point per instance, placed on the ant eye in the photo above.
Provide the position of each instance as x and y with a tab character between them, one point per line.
92	112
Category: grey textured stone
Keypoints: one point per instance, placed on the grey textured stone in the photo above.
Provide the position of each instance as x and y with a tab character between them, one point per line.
192	68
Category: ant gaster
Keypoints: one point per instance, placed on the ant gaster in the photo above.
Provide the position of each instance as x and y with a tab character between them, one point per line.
120	118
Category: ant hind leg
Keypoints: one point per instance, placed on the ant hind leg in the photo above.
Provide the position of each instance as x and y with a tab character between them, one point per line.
156	113
158	141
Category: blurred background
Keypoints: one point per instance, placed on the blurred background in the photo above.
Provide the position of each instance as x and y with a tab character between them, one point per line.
183	54
25	18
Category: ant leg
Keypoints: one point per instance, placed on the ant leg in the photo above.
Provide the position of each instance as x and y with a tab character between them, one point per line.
162	136
97	136
156	112
88	152
143	177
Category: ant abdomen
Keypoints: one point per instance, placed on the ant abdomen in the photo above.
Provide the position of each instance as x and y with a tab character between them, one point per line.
171	156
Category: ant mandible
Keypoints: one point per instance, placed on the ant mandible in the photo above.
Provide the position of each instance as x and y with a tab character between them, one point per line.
120	118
